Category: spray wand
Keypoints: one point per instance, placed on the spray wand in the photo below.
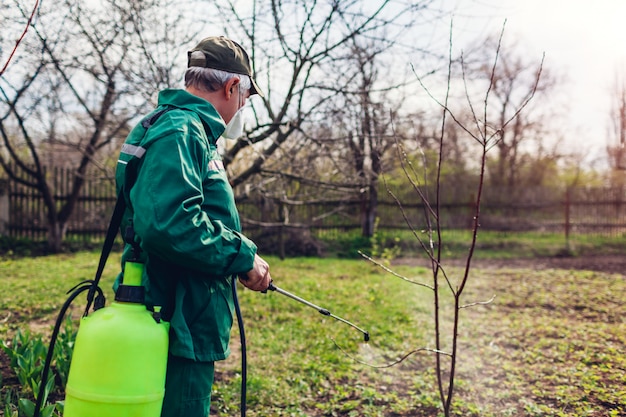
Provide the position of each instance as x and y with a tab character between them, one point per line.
272	287
321	310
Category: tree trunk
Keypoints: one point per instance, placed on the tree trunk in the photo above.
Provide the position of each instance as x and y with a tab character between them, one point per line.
369	204
56	235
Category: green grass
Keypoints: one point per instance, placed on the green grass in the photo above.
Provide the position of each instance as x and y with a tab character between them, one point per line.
294	356
552	342
490	244
33	289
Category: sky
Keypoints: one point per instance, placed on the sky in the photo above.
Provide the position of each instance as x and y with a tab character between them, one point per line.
583	40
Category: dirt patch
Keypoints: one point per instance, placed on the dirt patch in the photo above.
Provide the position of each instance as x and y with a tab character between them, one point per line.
8	376
549	352
613	264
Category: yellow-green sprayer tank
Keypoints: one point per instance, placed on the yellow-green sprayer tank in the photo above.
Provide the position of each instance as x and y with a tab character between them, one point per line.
120	358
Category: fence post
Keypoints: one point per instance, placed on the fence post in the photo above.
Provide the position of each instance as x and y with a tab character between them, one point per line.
568	202
4	206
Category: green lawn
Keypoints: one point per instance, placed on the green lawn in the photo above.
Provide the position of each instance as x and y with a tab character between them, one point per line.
552	343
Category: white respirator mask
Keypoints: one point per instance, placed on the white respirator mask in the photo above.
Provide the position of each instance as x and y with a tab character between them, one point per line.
234	128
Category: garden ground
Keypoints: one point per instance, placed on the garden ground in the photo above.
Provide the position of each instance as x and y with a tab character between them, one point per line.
552	343
612	264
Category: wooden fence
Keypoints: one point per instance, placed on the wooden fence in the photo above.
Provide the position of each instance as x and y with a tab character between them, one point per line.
23	212
600	211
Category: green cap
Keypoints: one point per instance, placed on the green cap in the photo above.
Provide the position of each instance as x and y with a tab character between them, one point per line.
223	54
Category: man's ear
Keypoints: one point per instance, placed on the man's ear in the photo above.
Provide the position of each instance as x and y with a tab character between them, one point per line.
229	87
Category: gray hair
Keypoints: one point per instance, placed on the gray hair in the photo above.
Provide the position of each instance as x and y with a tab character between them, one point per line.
210	79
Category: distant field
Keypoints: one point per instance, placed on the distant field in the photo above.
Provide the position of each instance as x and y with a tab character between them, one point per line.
552	343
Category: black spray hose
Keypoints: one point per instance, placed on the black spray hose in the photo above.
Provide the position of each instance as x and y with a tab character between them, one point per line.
242	334
75	292
242	337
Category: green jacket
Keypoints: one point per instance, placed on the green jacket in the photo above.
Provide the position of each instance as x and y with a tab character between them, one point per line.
184	216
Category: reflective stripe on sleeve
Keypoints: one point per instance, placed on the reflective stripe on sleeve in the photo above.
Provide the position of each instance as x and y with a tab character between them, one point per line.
133	150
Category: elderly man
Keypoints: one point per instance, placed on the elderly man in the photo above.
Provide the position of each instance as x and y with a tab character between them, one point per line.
183	213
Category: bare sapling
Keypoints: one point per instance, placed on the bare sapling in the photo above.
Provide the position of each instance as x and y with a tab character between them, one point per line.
448	302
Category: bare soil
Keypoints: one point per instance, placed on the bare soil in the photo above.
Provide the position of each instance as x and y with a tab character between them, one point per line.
613	264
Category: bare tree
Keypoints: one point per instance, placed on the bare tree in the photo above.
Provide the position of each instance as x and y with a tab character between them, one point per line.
523	138
86	72
485	135
324	101
299	45
86	83
357	130
617	140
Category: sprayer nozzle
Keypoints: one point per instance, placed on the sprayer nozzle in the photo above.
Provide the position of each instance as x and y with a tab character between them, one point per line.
366	336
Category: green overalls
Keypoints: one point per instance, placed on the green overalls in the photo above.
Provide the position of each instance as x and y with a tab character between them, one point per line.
184	216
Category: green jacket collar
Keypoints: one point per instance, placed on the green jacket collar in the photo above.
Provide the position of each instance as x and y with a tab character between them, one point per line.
184	100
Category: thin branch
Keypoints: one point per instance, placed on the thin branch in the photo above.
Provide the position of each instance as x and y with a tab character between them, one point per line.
524	103
394	363
443	106
481	138
19	40
493	75
427	248
403	158
479	303
393	272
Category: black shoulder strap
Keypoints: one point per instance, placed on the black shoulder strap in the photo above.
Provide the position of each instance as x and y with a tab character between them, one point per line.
151	119
116	217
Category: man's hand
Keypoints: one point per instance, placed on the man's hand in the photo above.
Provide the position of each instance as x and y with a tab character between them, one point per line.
258	278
